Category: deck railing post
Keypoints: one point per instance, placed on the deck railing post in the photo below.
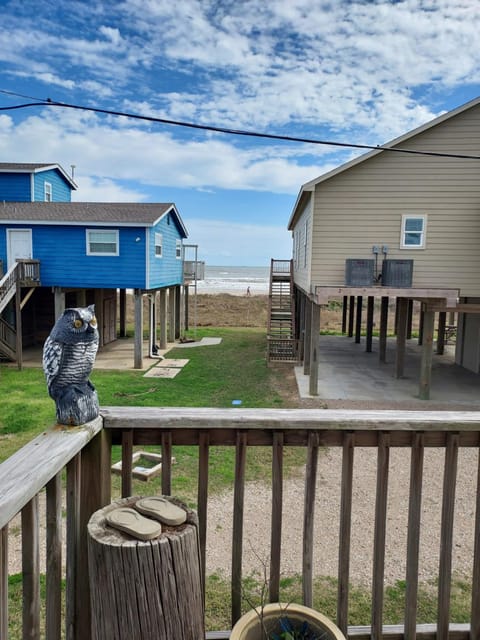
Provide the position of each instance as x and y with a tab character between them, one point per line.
475	610
237	532
308	518
94	495
276	529
31	570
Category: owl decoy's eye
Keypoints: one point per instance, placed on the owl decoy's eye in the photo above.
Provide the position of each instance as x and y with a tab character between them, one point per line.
77	323
93	322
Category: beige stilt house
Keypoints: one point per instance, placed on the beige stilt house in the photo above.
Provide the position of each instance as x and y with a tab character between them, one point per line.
396	224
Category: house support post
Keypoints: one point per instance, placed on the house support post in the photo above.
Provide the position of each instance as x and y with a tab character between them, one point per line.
409	319
420	325
442	321
307	336
171	314
138	340
123	313
59	301
358	320
163	319
427	354
178	311
344	314
351	316
314	349
18	325
186	291
383	329
152	332
370	313
402	319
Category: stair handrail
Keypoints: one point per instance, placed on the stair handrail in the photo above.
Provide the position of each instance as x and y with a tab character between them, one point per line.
9	279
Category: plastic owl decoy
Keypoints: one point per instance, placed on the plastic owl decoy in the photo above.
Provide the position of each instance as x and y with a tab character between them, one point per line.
68	357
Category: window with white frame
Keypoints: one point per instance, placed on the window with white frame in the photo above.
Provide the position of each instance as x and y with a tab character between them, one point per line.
413	231
158	245
47	191
178	249
102	242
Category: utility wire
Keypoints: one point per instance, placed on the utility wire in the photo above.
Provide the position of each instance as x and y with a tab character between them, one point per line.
236	132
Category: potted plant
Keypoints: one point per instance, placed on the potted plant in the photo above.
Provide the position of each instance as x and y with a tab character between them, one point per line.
280	621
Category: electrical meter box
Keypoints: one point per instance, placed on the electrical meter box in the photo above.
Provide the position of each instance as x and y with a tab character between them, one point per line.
359	272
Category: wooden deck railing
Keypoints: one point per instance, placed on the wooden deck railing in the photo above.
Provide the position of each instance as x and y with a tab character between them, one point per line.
86	454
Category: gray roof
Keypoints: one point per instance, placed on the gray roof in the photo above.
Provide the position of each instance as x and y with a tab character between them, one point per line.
35	167
24	166
94	213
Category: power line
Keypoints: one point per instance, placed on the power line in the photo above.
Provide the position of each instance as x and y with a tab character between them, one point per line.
237	132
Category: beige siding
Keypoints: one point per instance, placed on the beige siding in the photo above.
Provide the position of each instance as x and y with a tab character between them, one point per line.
363	206
303	244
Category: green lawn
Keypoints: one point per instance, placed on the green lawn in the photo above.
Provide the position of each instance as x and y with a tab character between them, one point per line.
214	377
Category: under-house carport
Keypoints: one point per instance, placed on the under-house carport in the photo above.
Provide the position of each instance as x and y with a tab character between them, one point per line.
433	301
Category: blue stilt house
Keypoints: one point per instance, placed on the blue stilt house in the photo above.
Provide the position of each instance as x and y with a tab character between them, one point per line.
56	253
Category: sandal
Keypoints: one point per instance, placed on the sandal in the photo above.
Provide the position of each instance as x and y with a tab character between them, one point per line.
130	521
162	509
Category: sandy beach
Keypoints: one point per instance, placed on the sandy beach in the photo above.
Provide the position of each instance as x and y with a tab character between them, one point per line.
228	310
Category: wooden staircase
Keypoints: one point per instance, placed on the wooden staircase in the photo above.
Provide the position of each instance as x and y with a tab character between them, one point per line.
24	273
281	342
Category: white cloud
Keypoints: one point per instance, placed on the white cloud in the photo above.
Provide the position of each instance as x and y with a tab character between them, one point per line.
254	64
98	148
93	189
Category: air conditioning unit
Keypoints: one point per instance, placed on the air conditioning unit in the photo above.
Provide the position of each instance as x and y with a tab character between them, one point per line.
359	272
397	273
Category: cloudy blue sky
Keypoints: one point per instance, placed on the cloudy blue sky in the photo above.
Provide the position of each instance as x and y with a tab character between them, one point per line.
343	70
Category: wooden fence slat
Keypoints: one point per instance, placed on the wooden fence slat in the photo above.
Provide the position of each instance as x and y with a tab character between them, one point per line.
127	463
4	582
94	495
31	570
475	611
237	530
413	535
202	499
308	518
167	463
54	559
73	534
345	532
446	535
276	530
380	534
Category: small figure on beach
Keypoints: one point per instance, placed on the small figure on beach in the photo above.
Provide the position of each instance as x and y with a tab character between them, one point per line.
248	291
68	356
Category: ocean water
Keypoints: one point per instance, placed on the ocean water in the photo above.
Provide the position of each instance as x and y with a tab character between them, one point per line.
235	280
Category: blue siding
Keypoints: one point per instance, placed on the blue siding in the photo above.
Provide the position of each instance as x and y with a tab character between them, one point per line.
167	270
61	190
64	262
15	187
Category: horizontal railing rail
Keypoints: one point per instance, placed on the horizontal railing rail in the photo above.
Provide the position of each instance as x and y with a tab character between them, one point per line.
28	272
86	455
313	429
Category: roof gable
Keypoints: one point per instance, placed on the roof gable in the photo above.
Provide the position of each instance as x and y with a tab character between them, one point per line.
36	167
310	186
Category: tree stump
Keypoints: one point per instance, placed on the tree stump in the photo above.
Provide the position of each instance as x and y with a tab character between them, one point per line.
145	590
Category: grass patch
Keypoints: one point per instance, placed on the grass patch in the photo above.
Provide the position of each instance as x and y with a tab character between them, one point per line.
218	598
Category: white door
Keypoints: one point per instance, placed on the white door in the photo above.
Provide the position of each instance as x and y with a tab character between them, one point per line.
19	245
